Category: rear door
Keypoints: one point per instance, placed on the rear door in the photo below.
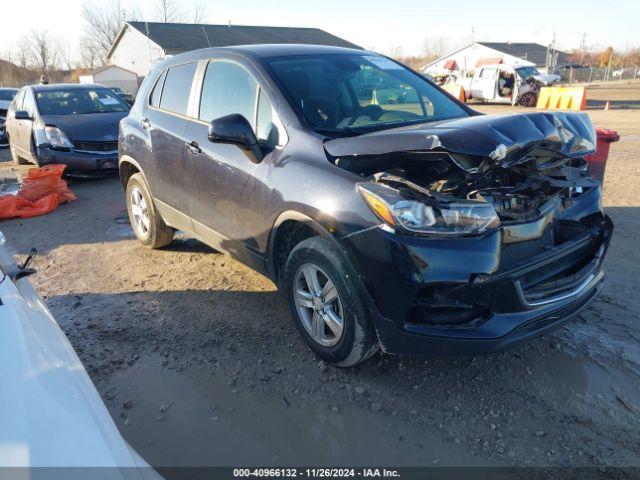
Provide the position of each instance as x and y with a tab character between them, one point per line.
229	191
484	85
165	119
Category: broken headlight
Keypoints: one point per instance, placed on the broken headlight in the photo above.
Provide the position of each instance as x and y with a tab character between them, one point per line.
460	217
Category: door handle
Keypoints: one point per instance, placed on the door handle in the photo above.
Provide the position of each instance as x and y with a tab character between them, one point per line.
146	123
194	147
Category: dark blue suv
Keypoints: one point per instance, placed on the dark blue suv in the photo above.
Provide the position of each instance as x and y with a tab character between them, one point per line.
412	226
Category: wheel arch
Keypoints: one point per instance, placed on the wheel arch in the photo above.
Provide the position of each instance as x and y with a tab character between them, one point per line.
290	228
128	166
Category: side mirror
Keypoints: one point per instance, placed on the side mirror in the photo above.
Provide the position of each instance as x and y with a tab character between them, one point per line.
237	130
22	115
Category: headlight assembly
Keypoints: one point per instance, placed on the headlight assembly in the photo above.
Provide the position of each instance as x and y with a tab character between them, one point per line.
460	217
57	138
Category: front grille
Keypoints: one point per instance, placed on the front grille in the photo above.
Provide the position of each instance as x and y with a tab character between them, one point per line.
96	146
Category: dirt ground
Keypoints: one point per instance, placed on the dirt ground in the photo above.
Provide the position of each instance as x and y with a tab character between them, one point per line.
199	363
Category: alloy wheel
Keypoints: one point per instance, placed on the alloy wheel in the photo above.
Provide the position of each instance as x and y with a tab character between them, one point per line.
139	212
318	304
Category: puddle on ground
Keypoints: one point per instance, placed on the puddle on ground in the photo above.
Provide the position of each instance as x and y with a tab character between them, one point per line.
9	185
207	424
570	377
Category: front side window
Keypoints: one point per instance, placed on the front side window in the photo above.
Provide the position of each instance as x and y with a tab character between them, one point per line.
177	88
78	101
228	88
266	130
17	101
355	93
28	104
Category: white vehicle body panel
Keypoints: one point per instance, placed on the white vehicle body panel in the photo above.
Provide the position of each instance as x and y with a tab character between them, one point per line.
52	414
483	85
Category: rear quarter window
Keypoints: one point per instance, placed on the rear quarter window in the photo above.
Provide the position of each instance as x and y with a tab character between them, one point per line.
177	88
154	101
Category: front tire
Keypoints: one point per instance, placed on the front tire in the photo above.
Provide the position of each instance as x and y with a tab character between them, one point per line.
147	224
327	304
528	99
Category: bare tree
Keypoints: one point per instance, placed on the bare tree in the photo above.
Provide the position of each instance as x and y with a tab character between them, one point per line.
169	11
42	51
103	21
88	54
436	47
200	12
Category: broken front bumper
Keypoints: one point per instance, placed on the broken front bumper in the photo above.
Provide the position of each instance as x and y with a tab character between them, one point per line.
80	163
476	295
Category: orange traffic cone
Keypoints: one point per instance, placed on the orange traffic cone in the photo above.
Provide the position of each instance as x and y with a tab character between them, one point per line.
606	105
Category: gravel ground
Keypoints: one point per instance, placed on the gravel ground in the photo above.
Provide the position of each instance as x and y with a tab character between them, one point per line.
198	361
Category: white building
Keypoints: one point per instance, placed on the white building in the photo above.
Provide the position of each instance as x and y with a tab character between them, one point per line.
139	45
508	53
113	76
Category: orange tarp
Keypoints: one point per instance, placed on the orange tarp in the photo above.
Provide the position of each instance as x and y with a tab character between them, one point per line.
41	192
562	98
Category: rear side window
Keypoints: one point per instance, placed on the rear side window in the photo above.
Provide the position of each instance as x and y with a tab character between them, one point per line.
177	88
228	88
488	73
157	90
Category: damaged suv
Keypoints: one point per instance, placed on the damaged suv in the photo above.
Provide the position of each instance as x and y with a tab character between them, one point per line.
418	226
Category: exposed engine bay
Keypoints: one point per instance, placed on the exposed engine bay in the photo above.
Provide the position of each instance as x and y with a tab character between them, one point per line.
516	191
518	164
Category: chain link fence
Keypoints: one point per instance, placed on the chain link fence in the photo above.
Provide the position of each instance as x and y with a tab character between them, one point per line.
598	75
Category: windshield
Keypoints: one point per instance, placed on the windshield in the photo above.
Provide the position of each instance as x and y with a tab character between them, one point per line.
7	95
527	72
356	93
79	101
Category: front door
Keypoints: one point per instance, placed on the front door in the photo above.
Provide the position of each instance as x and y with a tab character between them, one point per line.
13	125
228	190
25	127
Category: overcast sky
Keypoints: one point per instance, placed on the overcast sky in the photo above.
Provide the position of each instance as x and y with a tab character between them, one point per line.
376	24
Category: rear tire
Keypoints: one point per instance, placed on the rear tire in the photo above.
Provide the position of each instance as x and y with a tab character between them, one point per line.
326	308
147	224
17	159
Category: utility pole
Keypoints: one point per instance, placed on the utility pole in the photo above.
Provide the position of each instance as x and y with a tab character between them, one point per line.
583	47
622	64
551	56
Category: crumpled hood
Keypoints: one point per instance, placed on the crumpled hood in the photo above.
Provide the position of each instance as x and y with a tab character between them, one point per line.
92	127
496	136
547	78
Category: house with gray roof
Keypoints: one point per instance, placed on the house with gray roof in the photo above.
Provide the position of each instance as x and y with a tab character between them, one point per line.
139	45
